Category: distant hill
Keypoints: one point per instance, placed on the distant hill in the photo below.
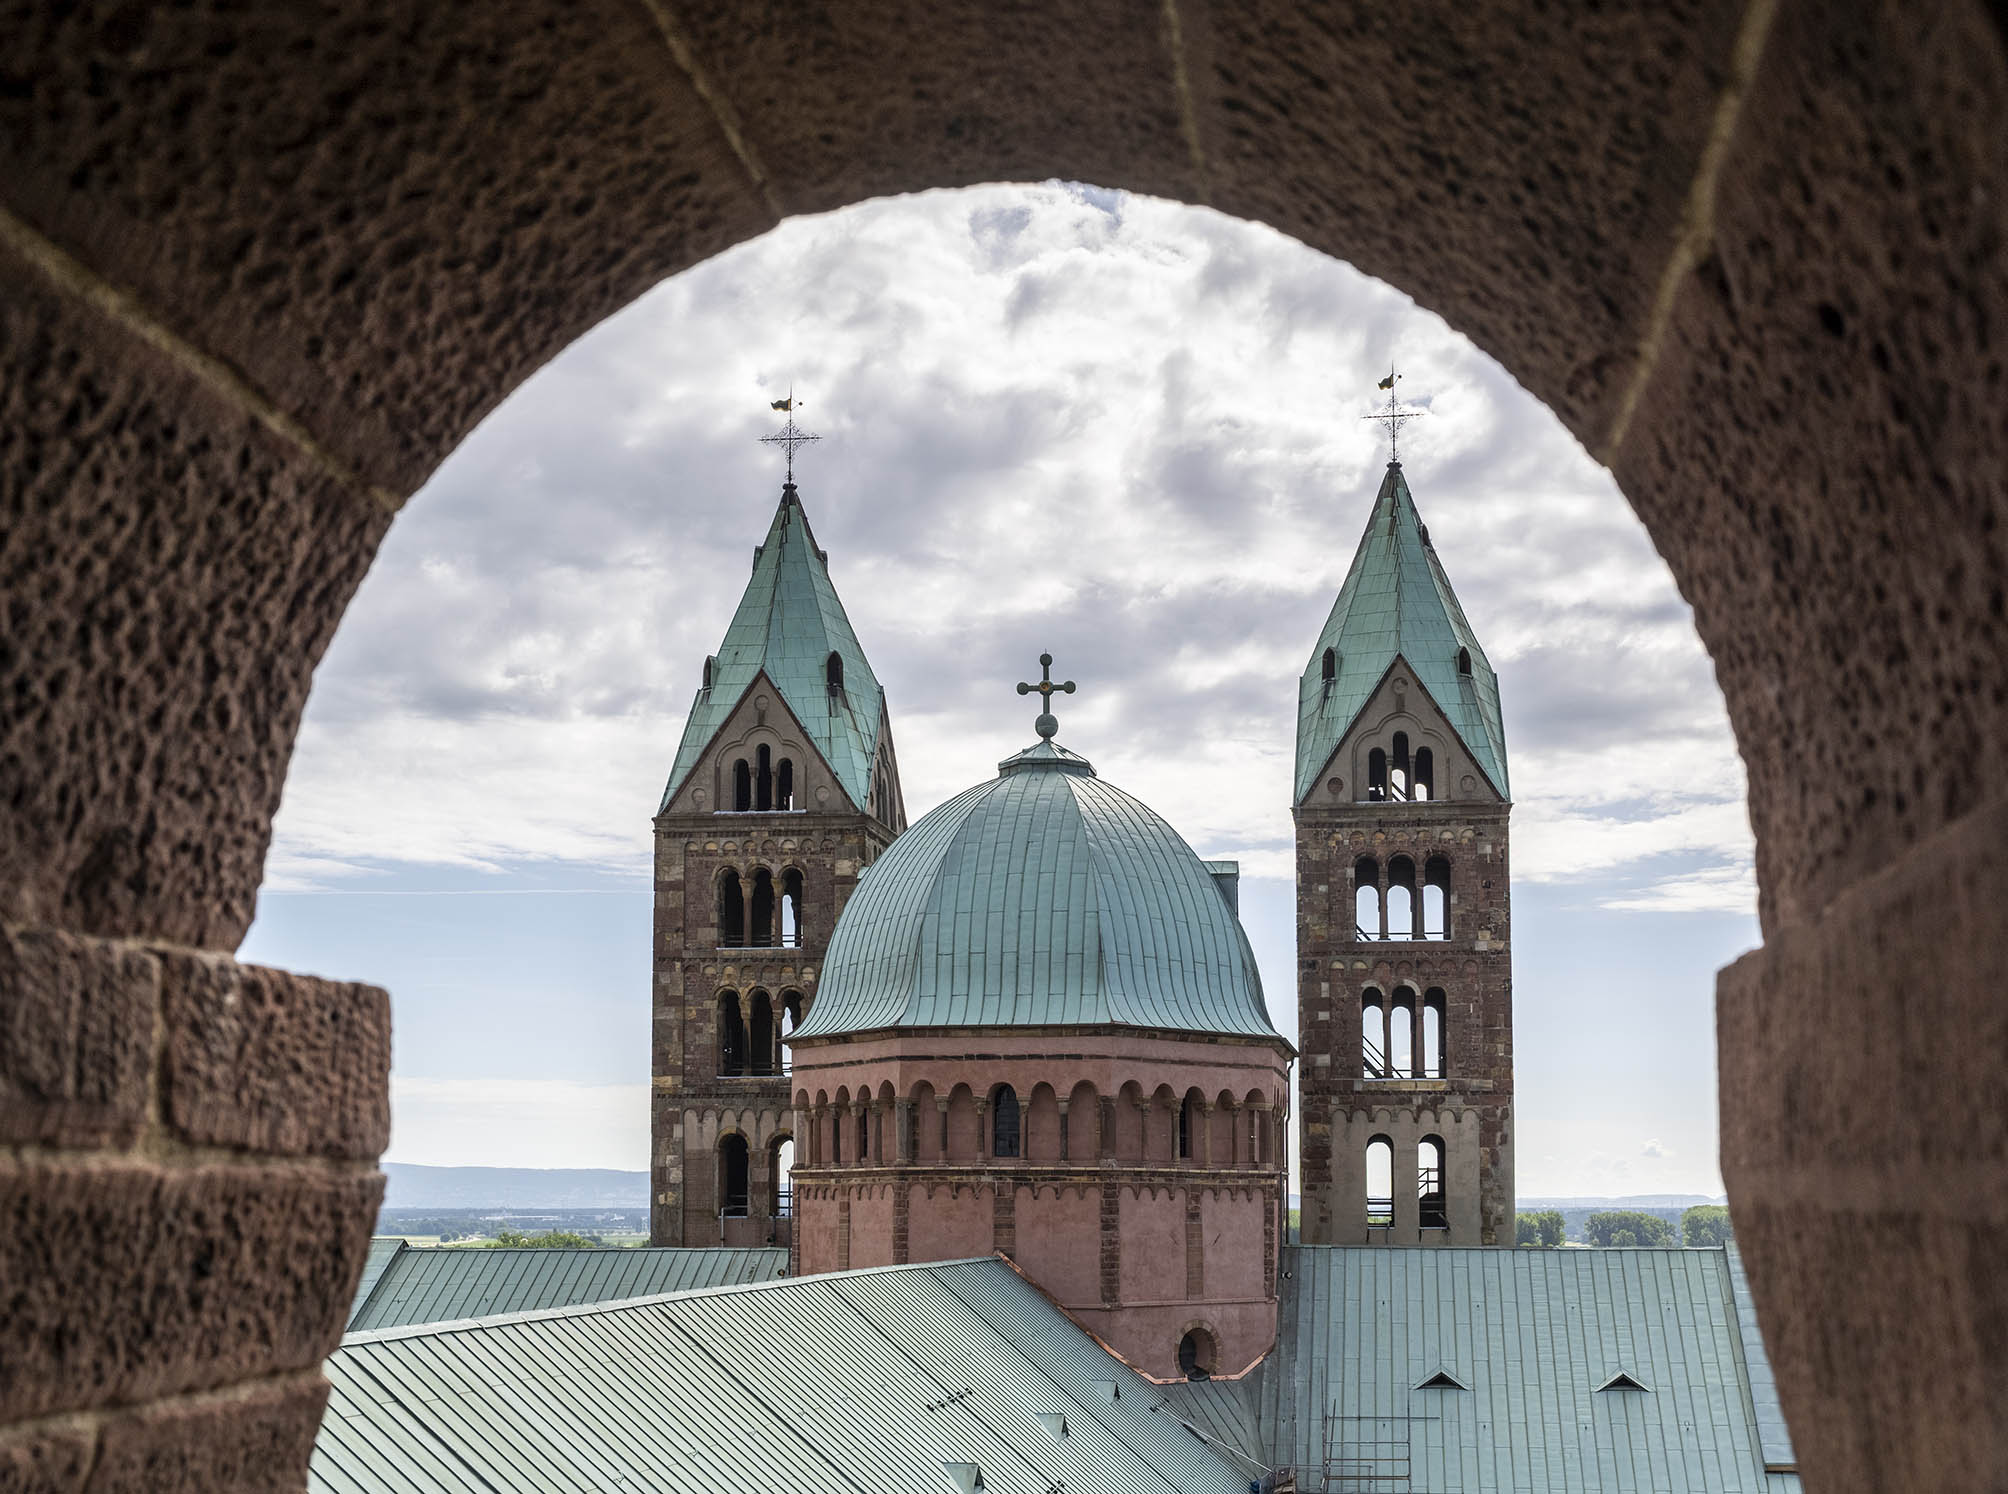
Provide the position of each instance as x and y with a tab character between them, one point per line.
1629	1201
414	1187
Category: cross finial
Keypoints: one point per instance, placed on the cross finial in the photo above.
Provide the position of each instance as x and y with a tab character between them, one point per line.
1394	416
790	435
1048	725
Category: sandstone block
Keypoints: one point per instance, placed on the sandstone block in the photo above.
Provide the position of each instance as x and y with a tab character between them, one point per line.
76	1043
272	1062
46	1462
253	1442
126	1283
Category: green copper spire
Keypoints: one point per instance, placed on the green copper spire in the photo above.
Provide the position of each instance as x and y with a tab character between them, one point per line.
1397	601
791	628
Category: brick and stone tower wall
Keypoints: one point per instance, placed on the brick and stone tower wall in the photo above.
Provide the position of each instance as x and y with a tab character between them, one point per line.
1404	923
785	788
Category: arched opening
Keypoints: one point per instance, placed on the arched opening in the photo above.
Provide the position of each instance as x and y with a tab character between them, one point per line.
840	1114
742	786
763	779
1749	590
1380	1183
781	1180
863	1116
1436	898
731	910
1401	1036
731	1035
760	1034
1331	667
1464	661
760	930
1373	1035
1367	920
1432	1206
784	785
1196	1355
1400	898
710	668
929	1135
1006	1136
1398	771
1191	1119
833	671
733	1174
1433	1019
1377	774
791	1018
791	909
1425	775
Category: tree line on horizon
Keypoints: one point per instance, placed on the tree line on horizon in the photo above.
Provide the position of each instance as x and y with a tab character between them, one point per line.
1701	1227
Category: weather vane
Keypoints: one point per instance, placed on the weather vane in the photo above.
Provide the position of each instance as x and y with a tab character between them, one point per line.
790	435
1048	725
1394	416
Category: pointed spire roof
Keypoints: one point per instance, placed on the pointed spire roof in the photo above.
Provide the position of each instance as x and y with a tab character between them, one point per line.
788	624
1397	601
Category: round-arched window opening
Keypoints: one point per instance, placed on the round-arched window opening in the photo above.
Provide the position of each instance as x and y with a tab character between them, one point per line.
1195	1355
1006	1130
833	670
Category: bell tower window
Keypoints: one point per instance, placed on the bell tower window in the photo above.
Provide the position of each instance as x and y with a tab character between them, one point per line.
1004	1123
833	671
742	786
1331	667
763	780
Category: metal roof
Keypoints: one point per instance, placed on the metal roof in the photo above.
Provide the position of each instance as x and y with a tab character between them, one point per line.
1396	600
788	623
1044	896
883	1380
438	1285
383	1250
1533	1333
1772	1434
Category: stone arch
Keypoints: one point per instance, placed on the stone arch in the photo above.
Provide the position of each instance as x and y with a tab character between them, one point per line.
1042	1124
1754	229
1084	1123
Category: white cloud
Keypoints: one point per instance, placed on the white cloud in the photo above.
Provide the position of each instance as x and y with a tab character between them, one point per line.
518	1123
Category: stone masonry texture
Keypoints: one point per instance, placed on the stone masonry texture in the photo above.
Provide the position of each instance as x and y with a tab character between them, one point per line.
261	269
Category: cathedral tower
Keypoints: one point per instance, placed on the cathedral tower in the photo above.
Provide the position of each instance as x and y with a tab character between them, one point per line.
784	789
1405	966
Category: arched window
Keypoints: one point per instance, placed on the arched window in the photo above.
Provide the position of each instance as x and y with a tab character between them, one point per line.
1377	775
1432	1204
1373	1035
1399	780
710	668
1367	898
1464	661
760	929
1195	1355
1380	1183
1401	1034
833	670
1331	666
763	779
731	911
791	1018
1188	1127
1401	898
791	909
732	1190
1425	775
1004	1123
1436	898
742	786
1433	1018
731	1034
784	785
864	1132
781	1179
760	1034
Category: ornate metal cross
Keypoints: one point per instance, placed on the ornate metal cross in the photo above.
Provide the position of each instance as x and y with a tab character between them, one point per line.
1394	416
790	435
1048	725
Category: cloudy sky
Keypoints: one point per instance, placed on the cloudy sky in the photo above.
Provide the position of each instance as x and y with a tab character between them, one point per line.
1053	418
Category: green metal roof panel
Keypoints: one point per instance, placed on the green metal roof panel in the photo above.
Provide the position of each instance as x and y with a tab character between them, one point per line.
1773	1435
436	1286
788	623
1043	897
870	1380
1396	600
1533	1333
383	1250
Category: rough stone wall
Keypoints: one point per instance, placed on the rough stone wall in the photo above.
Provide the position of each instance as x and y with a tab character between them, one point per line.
1474	969
261	268
692	969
